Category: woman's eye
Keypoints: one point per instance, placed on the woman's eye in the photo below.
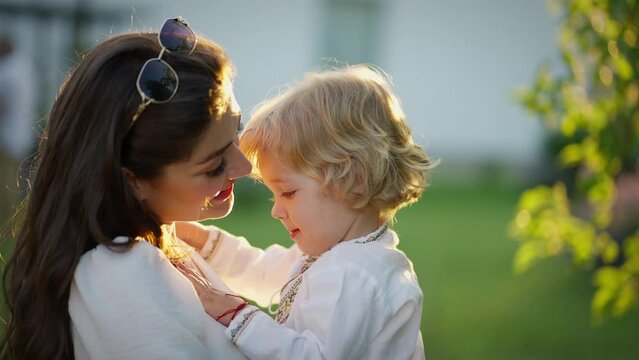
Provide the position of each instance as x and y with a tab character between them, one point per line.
240	127
288	194
218	170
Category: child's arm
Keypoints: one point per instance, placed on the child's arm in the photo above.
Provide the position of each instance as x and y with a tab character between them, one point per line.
250	271
339	313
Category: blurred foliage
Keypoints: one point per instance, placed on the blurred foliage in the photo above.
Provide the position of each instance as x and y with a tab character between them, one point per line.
591	107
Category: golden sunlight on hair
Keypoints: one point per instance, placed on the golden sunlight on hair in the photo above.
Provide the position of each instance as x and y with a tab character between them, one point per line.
384	80
220	102
334	122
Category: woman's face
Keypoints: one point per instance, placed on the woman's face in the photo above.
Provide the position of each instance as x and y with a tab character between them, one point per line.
202	186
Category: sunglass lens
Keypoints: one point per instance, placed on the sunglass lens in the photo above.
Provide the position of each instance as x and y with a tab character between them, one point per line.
158	81
177	36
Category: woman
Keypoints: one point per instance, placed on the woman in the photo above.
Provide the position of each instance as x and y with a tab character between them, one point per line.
143	133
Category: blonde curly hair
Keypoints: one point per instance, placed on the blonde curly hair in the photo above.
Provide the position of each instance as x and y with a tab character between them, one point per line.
343	128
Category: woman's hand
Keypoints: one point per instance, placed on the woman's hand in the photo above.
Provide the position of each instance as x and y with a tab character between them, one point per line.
192	233
219	305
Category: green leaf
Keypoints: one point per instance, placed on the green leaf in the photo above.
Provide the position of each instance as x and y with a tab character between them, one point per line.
571	155
527	254
609	248
623	67
626	298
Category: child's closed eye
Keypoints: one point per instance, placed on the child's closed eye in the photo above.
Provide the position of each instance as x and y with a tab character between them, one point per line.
288	194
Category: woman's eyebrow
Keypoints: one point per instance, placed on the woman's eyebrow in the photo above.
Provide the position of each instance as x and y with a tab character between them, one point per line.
215	153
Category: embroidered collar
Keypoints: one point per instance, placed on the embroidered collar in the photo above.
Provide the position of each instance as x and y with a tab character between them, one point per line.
287	298
374	236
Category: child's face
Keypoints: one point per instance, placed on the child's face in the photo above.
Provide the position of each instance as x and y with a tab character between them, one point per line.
201	187
316	221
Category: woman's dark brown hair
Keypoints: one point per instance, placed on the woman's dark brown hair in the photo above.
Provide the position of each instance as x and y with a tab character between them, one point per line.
78	196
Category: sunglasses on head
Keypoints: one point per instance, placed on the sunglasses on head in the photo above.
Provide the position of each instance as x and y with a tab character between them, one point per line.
158	82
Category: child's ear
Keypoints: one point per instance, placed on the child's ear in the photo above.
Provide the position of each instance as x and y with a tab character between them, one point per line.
361	186
134	183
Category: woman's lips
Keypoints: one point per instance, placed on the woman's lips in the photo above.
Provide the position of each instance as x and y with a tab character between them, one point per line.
294	233
224	194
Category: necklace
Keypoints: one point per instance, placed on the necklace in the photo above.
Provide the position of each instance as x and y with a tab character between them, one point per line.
286	301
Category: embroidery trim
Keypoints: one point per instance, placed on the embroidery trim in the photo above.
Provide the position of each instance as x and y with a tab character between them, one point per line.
286	301
235	333
374	237
210	246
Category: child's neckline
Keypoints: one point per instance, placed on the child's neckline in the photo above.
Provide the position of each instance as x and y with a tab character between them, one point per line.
374	236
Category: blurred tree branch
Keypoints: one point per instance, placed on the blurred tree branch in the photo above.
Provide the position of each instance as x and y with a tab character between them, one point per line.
592	107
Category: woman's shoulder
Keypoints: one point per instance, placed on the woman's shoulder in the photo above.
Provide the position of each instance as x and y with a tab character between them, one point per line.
114	285
126	303
139	256
105	270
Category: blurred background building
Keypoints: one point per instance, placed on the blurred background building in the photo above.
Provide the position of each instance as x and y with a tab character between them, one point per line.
455	64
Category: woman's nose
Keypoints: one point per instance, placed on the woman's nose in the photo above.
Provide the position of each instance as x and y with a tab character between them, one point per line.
240	165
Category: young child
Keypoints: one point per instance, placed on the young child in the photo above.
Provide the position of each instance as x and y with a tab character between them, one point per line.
337	154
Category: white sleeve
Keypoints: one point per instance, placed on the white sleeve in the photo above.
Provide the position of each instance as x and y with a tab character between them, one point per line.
136	305
336	315
250	271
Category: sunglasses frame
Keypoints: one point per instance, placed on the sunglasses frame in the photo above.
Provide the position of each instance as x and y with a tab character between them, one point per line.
146	100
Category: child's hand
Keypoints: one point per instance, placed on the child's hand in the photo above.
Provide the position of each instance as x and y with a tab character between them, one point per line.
219	305
192	233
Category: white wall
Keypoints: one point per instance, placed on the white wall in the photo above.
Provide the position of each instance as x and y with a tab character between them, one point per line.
455	63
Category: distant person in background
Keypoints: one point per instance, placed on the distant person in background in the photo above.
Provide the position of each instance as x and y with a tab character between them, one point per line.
17	121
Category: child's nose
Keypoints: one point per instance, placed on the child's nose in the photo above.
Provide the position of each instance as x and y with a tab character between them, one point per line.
277	211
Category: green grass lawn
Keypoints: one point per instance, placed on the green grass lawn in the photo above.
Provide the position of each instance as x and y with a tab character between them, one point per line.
474	306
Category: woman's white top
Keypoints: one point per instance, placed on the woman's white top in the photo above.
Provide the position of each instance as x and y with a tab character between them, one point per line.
357	301
137	305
